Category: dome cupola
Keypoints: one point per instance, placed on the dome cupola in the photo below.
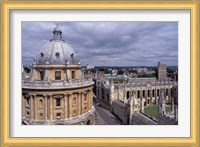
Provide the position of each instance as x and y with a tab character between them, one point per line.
57	32
56	51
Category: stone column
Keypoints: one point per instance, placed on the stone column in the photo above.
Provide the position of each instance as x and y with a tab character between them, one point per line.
23	106
131	110
35	108
169	94
89	99
157	100
69	105
146	97
65	104
141	103
31	108
151	97
45	107
79	103
51	107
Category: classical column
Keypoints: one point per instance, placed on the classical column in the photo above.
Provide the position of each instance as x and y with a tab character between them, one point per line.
158	95
35	108
150	96
51	107
65	104
146	97
32	112
141	105
89	98
23	106
45	107
69	105
79	103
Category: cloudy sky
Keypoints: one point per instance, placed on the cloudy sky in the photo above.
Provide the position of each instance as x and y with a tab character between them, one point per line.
108	43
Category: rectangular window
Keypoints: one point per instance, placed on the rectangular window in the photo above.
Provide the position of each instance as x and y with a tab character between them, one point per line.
57	75
58	102
27	113
73	74
41	115
41	75
58	114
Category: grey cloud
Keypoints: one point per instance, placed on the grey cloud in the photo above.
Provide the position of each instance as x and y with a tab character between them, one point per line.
108	43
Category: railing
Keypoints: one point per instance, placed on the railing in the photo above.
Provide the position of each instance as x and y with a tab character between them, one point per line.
145	84
57	84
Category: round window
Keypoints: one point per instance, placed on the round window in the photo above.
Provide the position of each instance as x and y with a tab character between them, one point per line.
42	54
57	54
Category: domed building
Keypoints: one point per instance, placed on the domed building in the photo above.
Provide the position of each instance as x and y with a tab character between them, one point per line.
56	92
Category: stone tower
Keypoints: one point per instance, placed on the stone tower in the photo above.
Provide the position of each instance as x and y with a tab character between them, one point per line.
162	103
162	71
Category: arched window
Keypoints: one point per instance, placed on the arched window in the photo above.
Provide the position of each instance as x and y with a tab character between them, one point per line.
41	74
57	75
148	93
166	92
41	103
57	54
157	92
153	93
73	74
143	93
58	102
138	94
127	94
74	100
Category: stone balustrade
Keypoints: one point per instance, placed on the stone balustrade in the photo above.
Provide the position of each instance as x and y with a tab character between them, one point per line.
57	84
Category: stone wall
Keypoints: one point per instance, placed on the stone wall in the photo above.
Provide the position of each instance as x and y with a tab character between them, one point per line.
56	105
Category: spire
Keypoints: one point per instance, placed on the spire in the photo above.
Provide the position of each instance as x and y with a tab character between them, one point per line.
57	32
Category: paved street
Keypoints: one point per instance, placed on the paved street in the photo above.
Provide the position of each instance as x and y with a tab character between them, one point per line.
104	117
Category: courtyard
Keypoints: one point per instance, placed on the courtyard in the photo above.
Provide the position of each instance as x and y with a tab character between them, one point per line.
152	111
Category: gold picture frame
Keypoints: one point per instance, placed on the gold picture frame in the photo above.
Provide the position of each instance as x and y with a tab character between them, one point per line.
192	6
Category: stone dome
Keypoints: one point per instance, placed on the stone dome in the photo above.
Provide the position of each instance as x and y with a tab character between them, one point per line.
56	51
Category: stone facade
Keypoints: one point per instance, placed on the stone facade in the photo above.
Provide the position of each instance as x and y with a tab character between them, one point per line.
147	91
131	96
162	71
56	93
